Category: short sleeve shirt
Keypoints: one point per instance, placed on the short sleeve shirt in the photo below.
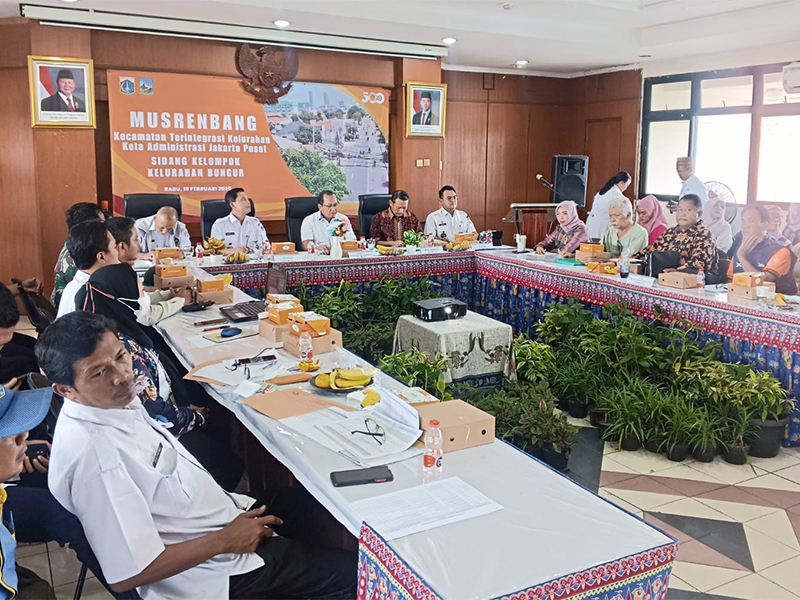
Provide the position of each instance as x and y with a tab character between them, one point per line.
443	225
315	227
250	233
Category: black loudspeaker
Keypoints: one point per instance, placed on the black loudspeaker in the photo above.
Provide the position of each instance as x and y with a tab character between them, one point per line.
569	179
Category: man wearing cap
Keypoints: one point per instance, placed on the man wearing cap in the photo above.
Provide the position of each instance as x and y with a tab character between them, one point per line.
425	116
691	183
19	413
63	100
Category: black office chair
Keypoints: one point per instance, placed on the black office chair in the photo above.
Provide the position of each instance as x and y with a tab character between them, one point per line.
297	209
211	210
370	205
41	313
138	206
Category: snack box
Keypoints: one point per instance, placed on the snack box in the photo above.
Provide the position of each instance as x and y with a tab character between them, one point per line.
592	248
219	297
279	313
349	245
587	257
750	293
284	248
162	253
314	323
210	285
466	237
271	331
748	279
165	283
462	425
679	280
603	268
171	270
320	345
279	298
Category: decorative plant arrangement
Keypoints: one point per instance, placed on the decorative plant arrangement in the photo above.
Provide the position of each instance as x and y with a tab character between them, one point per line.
338	228
412	238
213	246
417	369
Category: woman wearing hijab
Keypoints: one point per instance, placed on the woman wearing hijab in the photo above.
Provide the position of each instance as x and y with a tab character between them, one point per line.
714	220
112	292
568	235
598	222
651	216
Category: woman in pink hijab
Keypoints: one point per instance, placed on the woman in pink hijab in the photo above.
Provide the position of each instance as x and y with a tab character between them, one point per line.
651	217
568	235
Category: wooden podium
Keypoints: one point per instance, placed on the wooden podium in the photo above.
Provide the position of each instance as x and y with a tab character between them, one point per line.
532	220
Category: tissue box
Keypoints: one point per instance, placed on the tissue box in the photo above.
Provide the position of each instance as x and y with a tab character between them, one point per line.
321	345
748	279
165	283
592	248
271	331
315	324
219	297
279	313
602	268
750	293
284	247
171	270
279	298
210	285
462	425
676	279
587	257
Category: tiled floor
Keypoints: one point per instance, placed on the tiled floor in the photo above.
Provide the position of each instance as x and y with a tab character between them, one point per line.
60	568
738	527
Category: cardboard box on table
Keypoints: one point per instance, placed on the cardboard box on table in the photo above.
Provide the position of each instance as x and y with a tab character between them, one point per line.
321	345
587	257
171	270
750	293
676	279
159	254
462	425
272	331
591	248
349	245
284	248
165	283
466	237
280	298
602	268
279	313
314	323
214	284
220	297
748	279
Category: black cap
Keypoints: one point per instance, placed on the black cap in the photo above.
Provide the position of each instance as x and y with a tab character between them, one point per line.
65	74
424	95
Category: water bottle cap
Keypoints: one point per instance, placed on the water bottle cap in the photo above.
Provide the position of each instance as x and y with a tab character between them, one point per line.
434	423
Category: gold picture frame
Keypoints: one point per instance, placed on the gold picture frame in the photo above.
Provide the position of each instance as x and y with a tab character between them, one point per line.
416	110
55	102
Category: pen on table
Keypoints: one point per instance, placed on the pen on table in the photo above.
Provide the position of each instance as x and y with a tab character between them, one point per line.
214	328
210	322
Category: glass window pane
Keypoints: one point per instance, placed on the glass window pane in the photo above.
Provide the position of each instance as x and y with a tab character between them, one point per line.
777	159
671	96
723	151
728	91
668	141
773	90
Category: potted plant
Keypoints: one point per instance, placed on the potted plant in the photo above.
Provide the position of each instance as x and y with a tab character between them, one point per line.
549	430
213	249
705	435
533	361
734	433
415	368
768	408
412	238
626	411
573	381
681	419
656	406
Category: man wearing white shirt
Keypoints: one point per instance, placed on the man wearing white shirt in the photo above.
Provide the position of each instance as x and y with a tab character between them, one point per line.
240	232
691	183
154	517
162	230
315	226
92	247
446	222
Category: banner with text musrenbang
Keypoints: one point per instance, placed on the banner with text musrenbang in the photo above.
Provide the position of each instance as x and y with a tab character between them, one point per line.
199	136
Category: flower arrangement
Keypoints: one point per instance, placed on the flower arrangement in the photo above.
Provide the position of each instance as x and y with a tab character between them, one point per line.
338	227
213	246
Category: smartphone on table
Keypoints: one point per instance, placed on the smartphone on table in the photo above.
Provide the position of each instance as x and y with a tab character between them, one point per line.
361	476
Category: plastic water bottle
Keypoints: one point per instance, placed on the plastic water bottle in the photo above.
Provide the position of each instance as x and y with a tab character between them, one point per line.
625	262
311	247
306	348
362	243
432	459
198	250
701	279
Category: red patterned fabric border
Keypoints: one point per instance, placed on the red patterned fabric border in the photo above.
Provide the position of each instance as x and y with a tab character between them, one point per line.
779	330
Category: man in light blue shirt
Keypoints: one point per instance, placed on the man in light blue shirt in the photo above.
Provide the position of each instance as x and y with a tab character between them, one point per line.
162	230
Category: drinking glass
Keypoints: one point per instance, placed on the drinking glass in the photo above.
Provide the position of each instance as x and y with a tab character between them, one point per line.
187	252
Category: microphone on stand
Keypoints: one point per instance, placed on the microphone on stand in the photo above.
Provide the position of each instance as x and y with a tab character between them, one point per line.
544	182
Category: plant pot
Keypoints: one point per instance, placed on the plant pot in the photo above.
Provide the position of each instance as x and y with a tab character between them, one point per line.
557	460
706	454
596	415
562	405
654	445
214	260
735	455
630	442
577	409
678	452
767	437
601	428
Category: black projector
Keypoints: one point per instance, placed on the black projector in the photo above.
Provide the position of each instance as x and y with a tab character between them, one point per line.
439	309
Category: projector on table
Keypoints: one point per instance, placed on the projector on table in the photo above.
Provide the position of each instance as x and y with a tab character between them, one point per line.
439	309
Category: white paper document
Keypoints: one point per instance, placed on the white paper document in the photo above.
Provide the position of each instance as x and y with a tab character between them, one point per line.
424	507
225	373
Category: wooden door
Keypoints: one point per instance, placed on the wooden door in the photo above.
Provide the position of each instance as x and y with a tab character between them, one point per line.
603	144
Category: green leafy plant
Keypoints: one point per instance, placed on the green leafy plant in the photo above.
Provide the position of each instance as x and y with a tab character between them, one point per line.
706	431
681	419
372	342
543	426
534	361
626	412
341	305
564	323
412	238
576	378
417	369
762	396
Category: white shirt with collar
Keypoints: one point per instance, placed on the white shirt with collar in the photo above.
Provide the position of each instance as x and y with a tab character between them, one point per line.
137	490
150	238
693	185
315	227
250	233
444	225
67	303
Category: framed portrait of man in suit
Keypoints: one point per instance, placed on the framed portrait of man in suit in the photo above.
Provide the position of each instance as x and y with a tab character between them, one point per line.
62	92
425	109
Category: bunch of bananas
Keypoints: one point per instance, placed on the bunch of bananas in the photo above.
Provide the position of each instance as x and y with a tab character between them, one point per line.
390	250
214	246
456	246
236	257
343	379
308	366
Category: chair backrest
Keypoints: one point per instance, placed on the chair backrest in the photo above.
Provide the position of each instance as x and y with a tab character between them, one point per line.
370	205
146	205
297	209
41	313
211	210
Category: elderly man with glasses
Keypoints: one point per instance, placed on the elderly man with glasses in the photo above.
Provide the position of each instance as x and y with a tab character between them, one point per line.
314	228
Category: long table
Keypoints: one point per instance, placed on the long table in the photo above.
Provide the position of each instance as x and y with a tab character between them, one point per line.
552	539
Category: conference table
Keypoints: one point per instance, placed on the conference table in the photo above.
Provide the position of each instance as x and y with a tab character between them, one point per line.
519	288
551	539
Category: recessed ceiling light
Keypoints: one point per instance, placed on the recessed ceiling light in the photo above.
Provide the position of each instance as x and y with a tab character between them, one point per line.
281	23
449	41
508	6
69	0
521	63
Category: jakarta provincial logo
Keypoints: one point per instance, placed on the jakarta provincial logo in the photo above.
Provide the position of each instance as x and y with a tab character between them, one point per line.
146	85
127	85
